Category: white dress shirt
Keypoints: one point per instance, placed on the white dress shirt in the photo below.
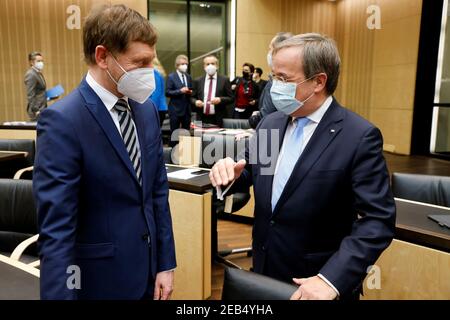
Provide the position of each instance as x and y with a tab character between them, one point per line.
212	109
183	81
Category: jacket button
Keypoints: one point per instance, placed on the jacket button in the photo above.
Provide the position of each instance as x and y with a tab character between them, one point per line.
263	248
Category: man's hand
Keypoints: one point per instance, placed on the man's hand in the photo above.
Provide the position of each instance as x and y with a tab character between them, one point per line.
252	103
199	104
225	171
163	285
313	288
215	101
186	90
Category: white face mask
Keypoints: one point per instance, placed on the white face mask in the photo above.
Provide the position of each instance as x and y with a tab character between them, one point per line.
183	67
211	69
39	65
137	84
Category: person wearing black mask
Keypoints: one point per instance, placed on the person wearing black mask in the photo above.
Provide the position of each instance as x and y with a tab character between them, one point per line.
246	93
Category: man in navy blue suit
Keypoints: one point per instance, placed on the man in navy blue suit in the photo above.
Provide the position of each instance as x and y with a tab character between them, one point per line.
179	90
324	211
99	177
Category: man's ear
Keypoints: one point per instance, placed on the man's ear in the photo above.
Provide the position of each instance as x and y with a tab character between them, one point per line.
100	56
321	82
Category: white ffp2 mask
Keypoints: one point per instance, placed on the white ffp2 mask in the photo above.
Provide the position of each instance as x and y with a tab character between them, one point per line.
137	84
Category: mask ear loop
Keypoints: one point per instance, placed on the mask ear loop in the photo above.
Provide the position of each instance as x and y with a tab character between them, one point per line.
109	74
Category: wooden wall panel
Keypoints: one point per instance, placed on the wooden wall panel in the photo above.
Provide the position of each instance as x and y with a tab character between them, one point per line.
30	25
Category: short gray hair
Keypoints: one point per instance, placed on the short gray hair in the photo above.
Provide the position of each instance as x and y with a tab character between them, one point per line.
179	57
279	37
320	55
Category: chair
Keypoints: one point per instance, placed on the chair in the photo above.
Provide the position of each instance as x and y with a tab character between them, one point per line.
246	285
216	146
422	188
18	221
24	145
236	124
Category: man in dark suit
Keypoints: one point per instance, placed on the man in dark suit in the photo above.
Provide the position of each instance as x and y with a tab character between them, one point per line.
324	211
212	93
179	90
35	85
99	177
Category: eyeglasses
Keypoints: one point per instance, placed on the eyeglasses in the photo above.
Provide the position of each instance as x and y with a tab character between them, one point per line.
284	81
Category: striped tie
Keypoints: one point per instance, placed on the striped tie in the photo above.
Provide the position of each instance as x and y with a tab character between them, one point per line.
128	130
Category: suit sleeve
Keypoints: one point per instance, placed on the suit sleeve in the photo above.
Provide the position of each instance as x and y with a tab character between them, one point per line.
195	92
171	89
56	182
374	231
166	243
30	84
227	93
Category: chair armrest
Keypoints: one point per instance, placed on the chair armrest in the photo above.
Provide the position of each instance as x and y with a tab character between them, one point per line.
22	171
18	251
35	264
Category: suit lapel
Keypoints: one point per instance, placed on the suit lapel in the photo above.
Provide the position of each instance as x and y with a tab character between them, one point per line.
95	105
328	129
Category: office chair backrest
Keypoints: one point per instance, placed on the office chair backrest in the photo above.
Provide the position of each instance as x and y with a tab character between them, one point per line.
216	146
236	124
18	216
26	145
245	285
422	188
8	169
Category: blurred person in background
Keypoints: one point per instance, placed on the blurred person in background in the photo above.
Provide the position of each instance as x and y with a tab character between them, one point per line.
212	93
158	97
35	86
245	92
179	90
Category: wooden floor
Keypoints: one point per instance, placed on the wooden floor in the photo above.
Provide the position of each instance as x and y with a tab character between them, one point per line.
237	235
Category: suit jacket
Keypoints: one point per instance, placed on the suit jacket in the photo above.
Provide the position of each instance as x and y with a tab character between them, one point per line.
223	91
92	211
179	103
35	85
314	227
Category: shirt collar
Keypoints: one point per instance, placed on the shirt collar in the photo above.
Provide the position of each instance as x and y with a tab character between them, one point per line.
180	74
317	115
109	99
214	76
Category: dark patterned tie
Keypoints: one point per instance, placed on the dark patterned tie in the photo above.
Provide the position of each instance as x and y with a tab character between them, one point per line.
129	136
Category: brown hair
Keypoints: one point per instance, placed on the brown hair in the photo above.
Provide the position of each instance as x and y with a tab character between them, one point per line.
115	27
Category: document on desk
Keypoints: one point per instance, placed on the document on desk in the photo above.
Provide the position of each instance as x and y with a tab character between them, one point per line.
186	174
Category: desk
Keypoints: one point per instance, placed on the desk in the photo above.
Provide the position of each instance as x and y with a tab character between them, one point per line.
12	155
417	263
190	205
18	281
18	132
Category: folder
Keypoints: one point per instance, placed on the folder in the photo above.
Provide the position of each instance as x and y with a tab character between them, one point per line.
54	92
